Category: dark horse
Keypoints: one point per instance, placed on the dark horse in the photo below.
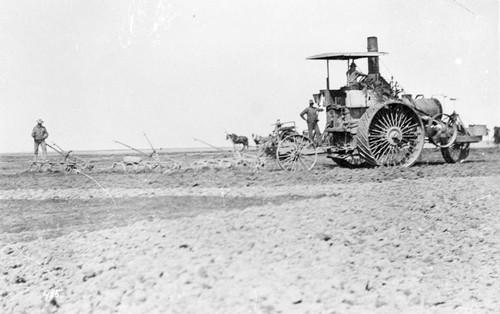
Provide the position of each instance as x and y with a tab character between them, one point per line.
237	139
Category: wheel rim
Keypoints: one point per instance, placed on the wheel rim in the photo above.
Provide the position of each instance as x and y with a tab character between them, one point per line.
395	136
296	152
456	152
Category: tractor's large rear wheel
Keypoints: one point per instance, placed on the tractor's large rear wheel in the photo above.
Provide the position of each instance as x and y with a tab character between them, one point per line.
390	135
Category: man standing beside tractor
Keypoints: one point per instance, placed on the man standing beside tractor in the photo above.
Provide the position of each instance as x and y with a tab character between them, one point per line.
39	134
312	121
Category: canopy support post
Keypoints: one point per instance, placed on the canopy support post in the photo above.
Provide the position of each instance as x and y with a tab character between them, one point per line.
327	74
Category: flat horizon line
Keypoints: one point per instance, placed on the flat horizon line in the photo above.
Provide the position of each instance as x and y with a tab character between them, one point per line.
130	151
482	144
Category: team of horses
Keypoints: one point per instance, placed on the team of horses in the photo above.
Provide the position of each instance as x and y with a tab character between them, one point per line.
243	140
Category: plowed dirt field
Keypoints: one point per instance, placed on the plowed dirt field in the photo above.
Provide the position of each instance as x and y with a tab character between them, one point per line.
424	239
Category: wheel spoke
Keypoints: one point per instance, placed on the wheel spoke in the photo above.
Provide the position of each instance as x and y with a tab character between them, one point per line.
379	152
393	117
383	120
296	143
377	136
303	164
377	148
408	128
384	151
288	158
287	162
374	132
403	121
389	116
378	127
379	140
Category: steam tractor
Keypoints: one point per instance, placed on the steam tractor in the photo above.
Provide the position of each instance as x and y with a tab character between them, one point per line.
371	122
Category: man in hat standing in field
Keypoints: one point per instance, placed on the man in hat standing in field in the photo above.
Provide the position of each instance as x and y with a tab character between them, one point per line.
39	134
312	121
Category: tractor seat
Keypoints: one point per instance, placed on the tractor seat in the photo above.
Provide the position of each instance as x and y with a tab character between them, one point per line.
286	129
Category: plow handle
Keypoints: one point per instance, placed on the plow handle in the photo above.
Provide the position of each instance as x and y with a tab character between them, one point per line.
139	151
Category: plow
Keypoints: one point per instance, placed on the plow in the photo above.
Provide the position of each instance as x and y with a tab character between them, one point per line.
146	161
70	163
152	161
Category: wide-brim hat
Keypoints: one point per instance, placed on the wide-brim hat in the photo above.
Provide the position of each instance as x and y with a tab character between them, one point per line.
39	121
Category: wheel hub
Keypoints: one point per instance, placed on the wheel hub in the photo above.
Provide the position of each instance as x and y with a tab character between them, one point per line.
394	135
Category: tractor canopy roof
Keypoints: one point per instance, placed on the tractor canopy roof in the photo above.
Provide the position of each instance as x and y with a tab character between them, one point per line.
346	55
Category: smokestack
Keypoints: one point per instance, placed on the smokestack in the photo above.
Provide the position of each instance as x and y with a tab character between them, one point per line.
373	67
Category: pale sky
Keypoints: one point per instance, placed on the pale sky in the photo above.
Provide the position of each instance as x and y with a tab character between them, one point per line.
98	71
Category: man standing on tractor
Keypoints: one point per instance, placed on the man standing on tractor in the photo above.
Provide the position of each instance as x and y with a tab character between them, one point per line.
39	134
352	75
312	121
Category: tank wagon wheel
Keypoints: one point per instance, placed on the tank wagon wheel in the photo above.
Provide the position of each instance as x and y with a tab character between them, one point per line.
457	152
296	152
390	135
442	130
